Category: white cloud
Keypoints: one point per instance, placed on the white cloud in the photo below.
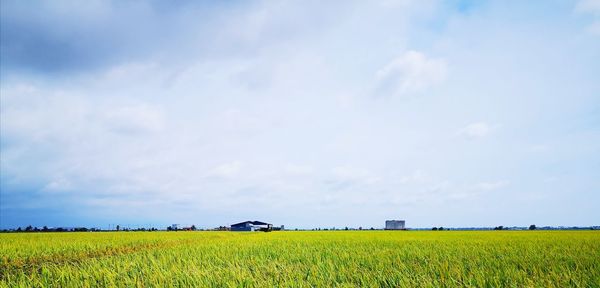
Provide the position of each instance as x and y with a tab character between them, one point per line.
476	190
294	169
358	175
594	28
539	148
476	130
227	170
416	176
588	6
410	72
135	118
59	184
262	109
490	186
395	3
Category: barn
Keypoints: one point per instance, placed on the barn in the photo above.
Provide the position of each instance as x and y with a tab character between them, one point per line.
252	226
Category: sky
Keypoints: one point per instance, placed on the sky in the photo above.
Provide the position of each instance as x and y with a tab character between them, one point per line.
300	113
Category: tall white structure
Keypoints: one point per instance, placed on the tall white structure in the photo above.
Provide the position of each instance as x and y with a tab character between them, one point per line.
394	225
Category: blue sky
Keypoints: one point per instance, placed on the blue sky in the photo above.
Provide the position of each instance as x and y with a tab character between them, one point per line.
308	114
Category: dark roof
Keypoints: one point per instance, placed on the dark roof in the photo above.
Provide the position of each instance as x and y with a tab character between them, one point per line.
251	222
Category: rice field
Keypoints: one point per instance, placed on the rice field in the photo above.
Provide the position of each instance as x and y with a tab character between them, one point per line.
302	259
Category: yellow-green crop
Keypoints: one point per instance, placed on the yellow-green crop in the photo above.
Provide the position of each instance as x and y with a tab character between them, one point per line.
302	259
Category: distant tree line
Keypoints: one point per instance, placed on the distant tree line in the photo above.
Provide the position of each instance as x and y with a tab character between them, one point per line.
53	229
338	229
531	227
33	229
191	228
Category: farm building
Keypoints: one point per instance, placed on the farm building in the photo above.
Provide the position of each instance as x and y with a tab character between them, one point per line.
394	225
252	226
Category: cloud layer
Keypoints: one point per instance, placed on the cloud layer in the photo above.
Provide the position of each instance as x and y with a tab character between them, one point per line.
304	114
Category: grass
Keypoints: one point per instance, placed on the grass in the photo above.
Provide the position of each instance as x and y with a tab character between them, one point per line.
302	259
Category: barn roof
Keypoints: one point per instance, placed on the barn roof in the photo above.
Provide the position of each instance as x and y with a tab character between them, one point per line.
251	222
259	223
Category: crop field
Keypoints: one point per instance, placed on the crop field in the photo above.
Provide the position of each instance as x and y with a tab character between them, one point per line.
302	259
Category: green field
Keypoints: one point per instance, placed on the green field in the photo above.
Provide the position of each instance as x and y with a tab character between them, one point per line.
302	259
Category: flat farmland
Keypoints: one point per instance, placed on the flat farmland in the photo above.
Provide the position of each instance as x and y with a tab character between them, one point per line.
302	259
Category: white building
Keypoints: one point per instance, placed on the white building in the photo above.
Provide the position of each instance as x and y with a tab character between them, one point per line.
394	225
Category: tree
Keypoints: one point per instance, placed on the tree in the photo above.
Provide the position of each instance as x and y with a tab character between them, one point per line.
434	228
193	227
19	229
169	228
28	228
45	229
118	227
441	228
532	227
